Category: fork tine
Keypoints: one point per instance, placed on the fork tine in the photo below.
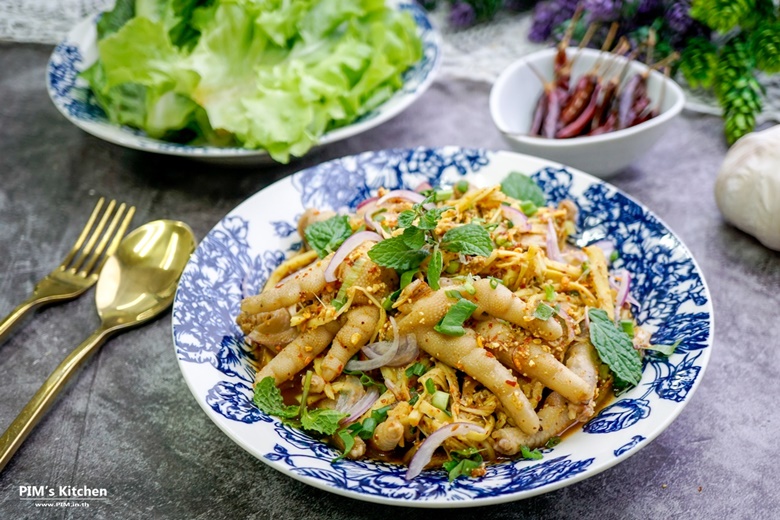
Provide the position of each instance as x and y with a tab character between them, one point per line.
103	241
84	233
94	237
117	238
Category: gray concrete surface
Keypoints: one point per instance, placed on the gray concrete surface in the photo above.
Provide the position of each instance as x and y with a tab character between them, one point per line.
129	424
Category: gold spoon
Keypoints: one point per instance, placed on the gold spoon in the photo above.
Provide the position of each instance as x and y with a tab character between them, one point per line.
136	283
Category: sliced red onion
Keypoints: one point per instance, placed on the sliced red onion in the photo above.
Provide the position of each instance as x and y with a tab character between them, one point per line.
411	196
346	248
361	407
384	352
553	251
370	209
517	218
365	202
429	446
625	286
423	186
350	394
587	318
606	246
407	351
568	322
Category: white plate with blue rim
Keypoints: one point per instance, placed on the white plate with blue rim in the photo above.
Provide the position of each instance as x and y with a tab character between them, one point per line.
74	99
236	257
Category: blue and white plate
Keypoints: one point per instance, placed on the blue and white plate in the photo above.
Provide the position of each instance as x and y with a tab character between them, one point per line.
236	257
73	98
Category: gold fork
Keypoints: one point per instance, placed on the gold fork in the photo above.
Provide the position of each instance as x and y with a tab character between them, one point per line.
79	271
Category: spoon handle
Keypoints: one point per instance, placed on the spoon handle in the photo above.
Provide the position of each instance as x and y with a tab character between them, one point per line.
33	411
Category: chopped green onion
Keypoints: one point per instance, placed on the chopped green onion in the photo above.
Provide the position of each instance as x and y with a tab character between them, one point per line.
440	400
553	442
549	293
417	369
469	288
614	255
530	454
529	208
430	386
441	195
628	327
452	267
494	282
462	186
452	293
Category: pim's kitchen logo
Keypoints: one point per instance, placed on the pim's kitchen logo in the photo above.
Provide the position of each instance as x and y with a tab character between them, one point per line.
61	492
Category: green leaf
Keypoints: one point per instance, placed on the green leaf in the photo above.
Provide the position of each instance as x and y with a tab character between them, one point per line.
394	253
463	463
452	322
113	20
434	269
348	438
530	454
414	237
543	312
326	236
468	239
523	188
430	219
269	399
322	420
615	348
406	218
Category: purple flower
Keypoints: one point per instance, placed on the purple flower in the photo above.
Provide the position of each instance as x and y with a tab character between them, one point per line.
646	6
462	15
677	16
549	15
602	10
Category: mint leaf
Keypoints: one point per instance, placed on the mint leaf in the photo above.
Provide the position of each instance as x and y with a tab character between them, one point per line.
269	399
394	253
434	269
523	188
414	237
406	218
322	420
469	239
430	218
543	312
463	463
452	322
348	438
615	348
326	236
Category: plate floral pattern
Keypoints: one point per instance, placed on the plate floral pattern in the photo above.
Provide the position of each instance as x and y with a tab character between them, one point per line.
73	98
236	257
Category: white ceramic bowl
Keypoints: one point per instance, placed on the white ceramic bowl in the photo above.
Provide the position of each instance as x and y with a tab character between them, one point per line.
517	90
